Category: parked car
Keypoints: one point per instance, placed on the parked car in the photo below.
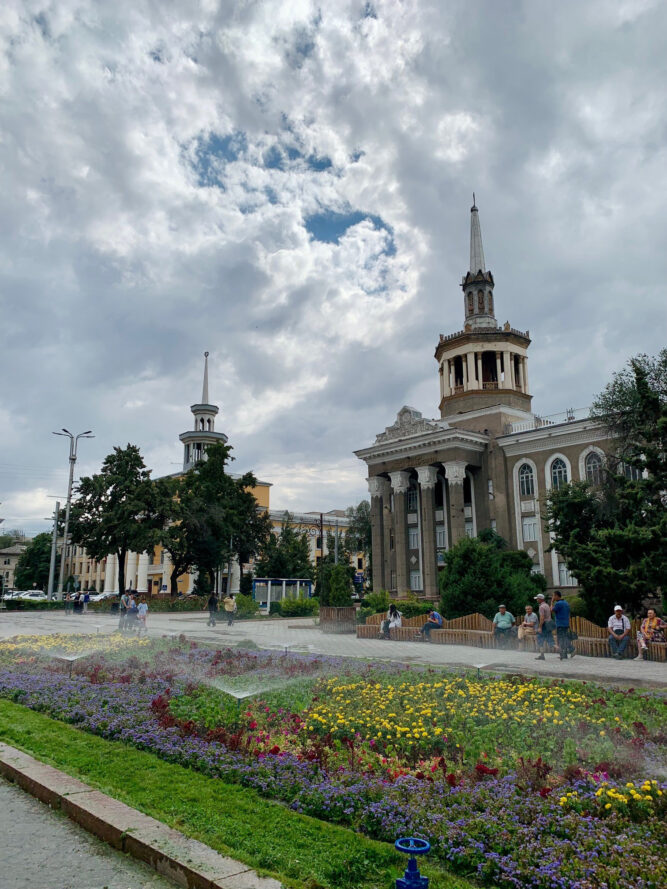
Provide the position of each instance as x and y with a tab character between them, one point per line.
32	595
100	597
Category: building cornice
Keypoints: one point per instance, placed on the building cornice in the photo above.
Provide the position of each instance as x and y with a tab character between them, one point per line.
550	437
423	444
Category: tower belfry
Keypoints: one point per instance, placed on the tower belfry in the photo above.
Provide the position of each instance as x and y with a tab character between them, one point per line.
484	365
196	441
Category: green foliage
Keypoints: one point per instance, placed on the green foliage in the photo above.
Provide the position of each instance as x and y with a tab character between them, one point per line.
245	585
479	576
120	509
6	540
33	564
27	605
614	536
300	607
376	602
246	606
358	533
577	606
285	555
410	608
336	586
158	604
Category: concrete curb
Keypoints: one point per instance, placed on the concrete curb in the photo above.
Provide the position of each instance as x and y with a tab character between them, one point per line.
187	862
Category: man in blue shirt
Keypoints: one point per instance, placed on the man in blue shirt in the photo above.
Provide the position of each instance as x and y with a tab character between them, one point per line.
560	611
434	622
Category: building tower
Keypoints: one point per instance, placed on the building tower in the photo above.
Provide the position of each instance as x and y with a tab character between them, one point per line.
482	366
196	440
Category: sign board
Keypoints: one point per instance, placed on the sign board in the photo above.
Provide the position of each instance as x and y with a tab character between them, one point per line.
164	587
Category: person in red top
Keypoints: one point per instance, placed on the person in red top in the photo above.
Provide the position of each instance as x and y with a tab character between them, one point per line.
652	630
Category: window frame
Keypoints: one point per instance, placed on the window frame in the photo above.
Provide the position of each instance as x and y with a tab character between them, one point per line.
527	489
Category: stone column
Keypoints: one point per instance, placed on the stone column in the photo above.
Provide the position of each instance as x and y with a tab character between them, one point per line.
400	482
130	571
480	375
455	472
234	582
499	372
470	364
110	574
142	573
524	365
166	571
507	382
378	488
98	575
428	477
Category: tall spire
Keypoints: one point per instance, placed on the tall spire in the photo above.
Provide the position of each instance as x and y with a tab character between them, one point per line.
204	391
476	249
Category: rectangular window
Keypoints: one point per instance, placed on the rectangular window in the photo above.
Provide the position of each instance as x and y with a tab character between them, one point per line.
412	500
529	524
470	532
415	581
536	569
393	580
493	524
441	536
391	540
360	564
413	538
565	578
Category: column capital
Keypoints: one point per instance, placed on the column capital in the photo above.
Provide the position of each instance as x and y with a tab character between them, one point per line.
427	475
455	471
400	481
378	486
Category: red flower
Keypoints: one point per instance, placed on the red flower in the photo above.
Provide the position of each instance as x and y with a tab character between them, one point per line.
545	791
253	724
451	779
275	749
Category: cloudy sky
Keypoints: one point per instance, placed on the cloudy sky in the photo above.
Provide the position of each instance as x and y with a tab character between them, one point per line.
288	186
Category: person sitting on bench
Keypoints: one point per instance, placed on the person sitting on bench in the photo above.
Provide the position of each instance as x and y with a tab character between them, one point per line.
433	622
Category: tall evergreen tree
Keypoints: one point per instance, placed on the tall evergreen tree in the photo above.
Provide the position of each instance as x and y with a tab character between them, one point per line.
32	567
285	555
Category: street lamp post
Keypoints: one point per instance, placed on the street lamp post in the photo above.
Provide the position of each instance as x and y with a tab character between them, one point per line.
73	442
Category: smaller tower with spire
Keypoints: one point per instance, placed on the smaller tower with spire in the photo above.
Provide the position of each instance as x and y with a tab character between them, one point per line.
196	441
478	283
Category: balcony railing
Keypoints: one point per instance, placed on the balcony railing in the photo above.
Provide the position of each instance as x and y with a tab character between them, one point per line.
568	416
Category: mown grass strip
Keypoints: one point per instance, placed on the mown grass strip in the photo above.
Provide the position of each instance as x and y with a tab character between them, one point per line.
302	852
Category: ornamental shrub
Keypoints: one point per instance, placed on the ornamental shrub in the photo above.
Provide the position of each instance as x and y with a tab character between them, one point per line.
337	588
246	606
300	607
377	602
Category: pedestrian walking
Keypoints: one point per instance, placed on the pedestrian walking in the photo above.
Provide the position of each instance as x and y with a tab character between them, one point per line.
545	637
230	608
122	610
212	606
68	604
561	614
86	600
132	617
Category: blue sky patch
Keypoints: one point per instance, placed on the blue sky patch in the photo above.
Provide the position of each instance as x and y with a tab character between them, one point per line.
330	227
214	152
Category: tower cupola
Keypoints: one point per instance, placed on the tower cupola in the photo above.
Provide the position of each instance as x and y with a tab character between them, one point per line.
196	440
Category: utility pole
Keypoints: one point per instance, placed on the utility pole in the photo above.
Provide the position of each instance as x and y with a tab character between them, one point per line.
336	545
54	546
73	442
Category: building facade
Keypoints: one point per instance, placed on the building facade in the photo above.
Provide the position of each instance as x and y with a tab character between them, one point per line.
486	462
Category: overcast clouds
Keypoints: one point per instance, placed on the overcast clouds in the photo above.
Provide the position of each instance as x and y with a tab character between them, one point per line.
288	186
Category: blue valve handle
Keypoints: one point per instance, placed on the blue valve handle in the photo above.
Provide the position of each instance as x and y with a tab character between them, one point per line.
412	846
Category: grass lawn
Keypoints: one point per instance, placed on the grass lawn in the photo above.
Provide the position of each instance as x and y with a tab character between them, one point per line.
300	851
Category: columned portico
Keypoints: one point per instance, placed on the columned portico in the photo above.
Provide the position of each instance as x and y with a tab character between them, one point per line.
455	473
400	481
378	488
428	477
142	573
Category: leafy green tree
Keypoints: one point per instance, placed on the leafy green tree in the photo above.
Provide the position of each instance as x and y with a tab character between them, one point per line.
479	576
6	540
120	509
614	535
285	555
33	564
358	534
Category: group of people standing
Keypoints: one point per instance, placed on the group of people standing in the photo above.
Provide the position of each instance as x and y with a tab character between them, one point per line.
132	614
229	605
77	603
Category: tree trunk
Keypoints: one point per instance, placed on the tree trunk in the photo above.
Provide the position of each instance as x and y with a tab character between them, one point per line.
173	581
121	570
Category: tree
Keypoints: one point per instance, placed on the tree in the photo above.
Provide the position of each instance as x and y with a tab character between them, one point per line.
336	586
614	535
32	568
358	535
120	509
285	555
6	540
214	516
479	576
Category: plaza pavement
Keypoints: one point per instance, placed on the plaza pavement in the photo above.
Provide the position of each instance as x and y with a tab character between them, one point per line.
302	634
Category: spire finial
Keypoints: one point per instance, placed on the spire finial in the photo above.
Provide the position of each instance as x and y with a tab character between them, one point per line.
476	249
204	391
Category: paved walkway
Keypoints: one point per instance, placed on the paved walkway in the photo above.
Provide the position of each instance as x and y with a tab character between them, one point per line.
303	635
42	848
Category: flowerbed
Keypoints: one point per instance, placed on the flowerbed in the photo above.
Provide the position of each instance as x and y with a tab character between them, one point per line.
332	748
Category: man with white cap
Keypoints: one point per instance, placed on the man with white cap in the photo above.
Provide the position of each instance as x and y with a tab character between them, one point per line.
619	632
545	630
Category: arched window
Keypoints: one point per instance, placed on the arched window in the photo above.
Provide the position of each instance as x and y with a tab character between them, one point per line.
526	481
480	302
630	472
558	473
490	304
208	425
470	303
594	468
201	423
